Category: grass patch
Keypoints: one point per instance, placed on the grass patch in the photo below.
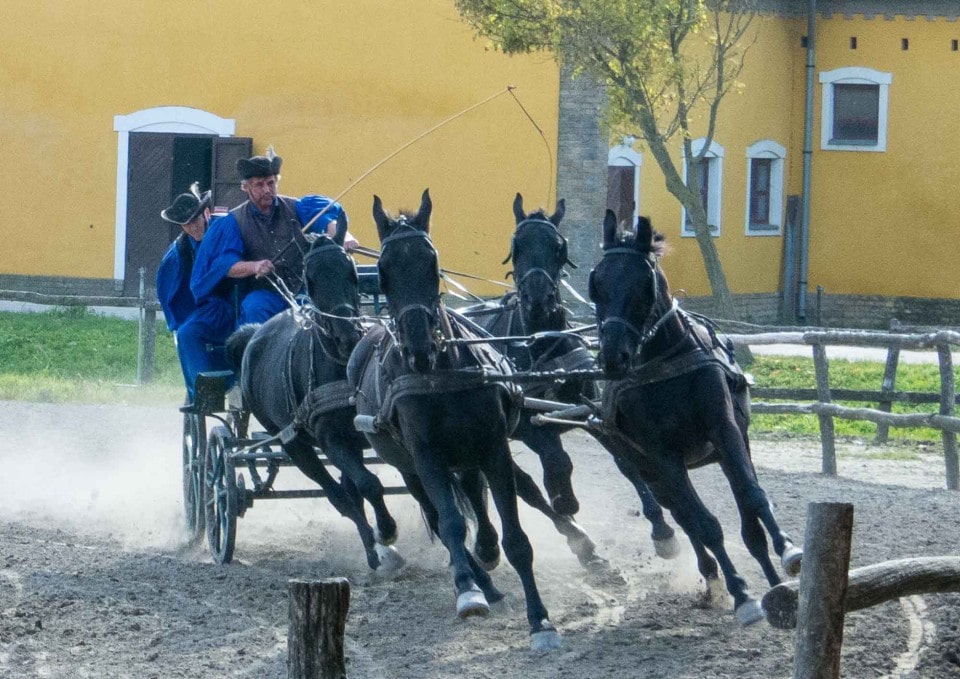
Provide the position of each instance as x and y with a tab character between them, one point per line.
798	372
72	354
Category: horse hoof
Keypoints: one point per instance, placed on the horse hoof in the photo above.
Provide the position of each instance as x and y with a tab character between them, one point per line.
547	639
391	562
749	612
472	602
380	539
791	560
488	565
593	562
666	549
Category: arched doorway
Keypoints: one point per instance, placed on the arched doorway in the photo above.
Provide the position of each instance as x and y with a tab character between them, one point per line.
160	152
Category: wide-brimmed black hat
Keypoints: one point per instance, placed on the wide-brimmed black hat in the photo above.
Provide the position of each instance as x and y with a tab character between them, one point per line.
259	166
187	206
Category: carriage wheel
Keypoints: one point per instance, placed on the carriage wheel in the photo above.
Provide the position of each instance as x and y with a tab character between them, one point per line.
220	497
194	445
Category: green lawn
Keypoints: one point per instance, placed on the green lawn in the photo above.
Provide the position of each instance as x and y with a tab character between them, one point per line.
74	355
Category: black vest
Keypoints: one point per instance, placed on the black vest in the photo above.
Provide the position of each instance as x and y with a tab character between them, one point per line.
266	238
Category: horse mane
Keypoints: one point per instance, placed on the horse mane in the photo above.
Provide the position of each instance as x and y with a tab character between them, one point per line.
628	239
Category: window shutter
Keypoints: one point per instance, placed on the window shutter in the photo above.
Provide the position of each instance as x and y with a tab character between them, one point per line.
226	179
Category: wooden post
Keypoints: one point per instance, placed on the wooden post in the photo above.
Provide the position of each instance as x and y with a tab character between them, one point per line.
318	616
886	390
871	585
823	586
149	343
828	464
948	399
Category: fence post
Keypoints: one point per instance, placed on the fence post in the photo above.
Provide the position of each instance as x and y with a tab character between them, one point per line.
823	587
886	389
318	616
948	399
141	296
149	342
828	463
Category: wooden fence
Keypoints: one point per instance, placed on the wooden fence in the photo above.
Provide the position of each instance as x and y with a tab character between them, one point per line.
819	401
147	324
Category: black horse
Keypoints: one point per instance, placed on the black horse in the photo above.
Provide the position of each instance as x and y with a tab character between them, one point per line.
539	254
293	377
677	400
427	410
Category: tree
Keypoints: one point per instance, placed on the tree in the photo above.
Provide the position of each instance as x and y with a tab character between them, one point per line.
666	65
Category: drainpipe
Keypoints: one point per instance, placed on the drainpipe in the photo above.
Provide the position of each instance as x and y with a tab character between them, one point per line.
807	161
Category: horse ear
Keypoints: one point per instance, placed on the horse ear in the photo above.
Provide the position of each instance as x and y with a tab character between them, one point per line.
518	212
340	235
558	214
422	219
609	228
380	217
644	233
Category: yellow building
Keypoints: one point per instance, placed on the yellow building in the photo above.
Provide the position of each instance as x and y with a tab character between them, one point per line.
110	109
884	230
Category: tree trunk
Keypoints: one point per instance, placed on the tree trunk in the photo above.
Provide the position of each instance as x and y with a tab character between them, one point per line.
318	616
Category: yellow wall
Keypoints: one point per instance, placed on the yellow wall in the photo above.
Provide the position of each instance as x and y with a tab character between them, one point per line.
888	223
881	223
761	109
334	86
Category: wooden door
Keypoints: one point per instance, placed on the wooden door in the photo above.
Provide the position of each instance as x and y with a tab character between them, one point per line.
148	192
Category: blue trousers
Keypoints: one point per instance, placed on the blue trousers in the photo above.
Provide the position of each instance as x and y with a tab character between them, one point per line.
259	306
200	340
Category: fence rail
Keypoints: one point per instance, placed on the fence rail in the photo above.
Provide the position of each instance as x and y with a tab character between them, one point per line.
147	320
822	396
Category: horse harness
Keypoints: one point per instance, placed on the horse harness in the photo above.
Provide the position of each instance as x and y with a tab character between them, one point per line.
709	348
390	391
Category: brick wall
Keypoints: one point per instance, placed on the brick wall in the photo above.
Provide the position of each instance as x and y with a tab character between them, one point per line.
581	172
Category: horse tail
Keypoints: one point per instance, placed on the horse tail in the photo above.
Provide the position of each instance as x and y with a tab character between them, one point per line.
237	344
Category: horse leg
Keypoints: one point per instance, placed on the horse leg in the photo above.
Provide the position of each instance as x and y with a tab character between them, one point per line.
437	486
486	547
413	484
557	467
662	533
577	539
673	490
498	468
305	458
349	460
753	505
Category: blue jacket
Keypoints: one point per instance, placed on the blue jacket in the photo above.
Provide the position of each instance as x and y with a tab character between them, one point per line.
222	246
173	285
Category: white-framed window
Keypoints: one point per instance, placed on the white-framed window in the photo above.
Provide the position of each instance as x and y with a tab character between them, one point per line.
711	182
854	109
765	160
623	180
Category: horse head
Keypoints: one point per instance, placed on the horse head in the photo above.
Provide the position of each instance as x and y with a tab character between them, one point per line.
539	253
627	289
410	279
332	284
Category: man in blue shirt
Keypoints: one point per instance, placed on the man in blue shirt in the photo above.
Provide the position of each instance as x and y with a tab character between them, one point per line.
261	239
199	329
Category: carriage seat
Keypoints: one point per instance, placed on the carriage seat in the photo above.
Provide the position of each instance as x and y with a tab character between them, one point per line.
210	393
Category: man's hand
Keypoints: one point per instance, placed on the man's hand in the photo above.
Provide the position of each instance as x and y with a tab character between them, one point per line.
262	268
349	242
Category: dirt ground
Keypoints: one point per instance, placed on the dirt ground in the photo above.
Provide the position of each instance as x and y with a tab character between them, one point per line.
97	578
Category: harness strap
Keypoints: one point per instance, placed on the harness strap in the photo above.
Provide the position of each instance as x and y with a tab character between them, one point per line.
322	400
